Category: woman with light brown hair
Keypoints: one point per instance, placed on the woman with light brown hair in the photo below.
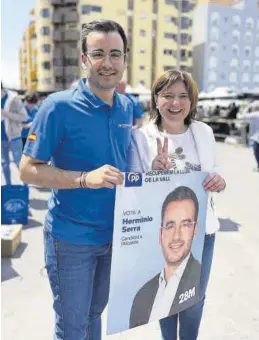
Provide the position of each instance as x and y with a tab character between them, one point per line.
173	139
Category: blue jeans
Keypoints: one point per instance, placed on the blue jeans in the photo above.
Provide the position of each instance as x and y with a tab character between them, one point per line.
190	318
15	146
79	277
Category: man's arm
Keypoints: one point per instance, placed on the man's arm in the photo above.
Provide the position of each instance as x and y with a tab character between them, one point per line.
19	114
33	171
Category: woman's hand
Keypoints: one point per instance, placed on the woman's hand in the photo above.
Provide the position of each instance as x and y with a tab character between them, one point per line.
161	161
214	183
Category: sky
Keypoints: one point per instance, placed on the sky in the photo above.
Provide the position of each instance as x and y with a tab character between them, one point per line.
15	18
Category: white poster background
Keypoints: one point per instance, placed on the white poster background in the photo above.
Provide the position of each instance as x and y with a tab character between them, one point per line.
133	264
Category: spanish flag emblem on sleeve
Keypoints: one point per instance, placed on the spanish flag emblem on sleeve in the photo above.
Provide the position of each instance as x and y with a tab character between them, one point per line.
32	137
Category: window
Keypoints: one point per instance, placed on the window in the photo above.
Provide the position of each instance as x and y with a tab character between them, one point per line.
57	62
212	76
142	67
213	62
141	82
168	35
142	33
246	77
71	62
169	52
45	30
45	48
190	54
256	66
215	19
248	51
236	35
233	77
87	9
185	38
214	33
236	21
214	46
97	9
171	19
246	65
249	24
235	49
166	68
256	78
248	37
45	12
46	65
185	22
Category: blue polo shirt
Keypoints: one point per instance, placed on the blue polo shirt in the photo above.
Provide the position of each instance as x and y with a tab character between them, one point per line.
137	109
3	131
79	132
31	114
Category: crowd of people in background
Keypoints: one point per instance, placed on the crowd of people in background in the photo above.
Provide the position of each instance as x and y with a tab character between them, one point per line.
16	119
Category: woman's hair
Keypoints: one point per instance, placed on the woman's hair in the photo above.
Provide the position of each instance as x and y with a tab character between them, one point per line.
166	80
31	97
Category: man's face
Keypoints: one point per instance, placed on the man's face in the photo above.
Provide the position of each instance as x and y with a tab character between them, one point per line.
106	73
177	231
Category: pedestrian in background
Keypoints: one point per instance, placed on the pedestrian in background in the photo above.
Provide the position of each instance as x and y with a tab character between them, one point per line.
31	101
175	140
138	114
252	117
85	132
12	116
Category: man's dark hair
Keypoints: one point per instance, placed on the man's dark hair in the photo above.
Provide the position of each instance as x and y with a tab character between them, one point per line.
180	194
105	26
31	97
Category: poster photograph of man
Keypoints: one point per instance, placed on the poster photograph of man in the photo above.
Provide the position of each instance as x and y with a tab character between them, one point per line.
176	287
159	229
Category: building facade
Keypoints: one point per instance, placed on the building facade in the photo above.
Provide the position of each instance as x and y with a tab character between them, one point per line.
28	58
226	45
159	34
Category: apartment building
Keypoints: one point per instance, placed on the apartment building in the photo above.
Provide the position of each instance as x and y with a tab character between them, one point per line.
159	34
226	44
28	58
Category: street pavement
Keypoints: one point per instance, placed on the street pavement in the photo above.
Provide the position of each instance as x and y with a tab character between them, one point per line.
232	306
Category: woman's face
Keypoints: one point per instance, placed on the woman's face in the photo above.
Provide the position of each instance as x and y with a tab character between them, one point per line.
173	103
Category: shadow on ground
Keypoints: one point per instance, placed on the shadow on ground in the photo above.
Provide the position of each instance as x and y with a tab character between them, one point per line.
41	189
7	271
227	225
38	204
32	224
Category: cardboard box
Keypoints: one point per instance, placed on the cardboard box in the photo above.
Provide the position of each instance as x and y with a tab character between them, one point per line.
10	239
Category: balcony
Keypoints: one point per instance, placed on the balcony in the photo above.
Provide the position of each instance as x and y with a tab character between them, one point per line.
57	18
58	71
57	53
71	35
58	35
56	2
72	71
71	17
71	2
71	53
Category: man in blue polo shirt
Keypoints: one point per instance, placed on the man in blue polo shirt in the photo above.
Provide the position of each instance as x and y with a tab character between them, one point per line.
85	132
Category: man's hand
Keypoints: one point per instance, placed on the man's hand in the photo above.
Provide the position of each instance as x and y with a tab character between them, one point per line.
214	183
106	176
161	161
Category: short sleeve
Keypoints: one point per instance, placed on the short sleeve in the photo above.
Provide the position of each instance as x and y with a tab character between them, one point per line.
46	133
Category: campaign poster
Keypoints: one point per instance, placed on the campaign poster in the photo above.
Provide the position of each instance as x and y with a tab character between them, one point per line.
159	230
